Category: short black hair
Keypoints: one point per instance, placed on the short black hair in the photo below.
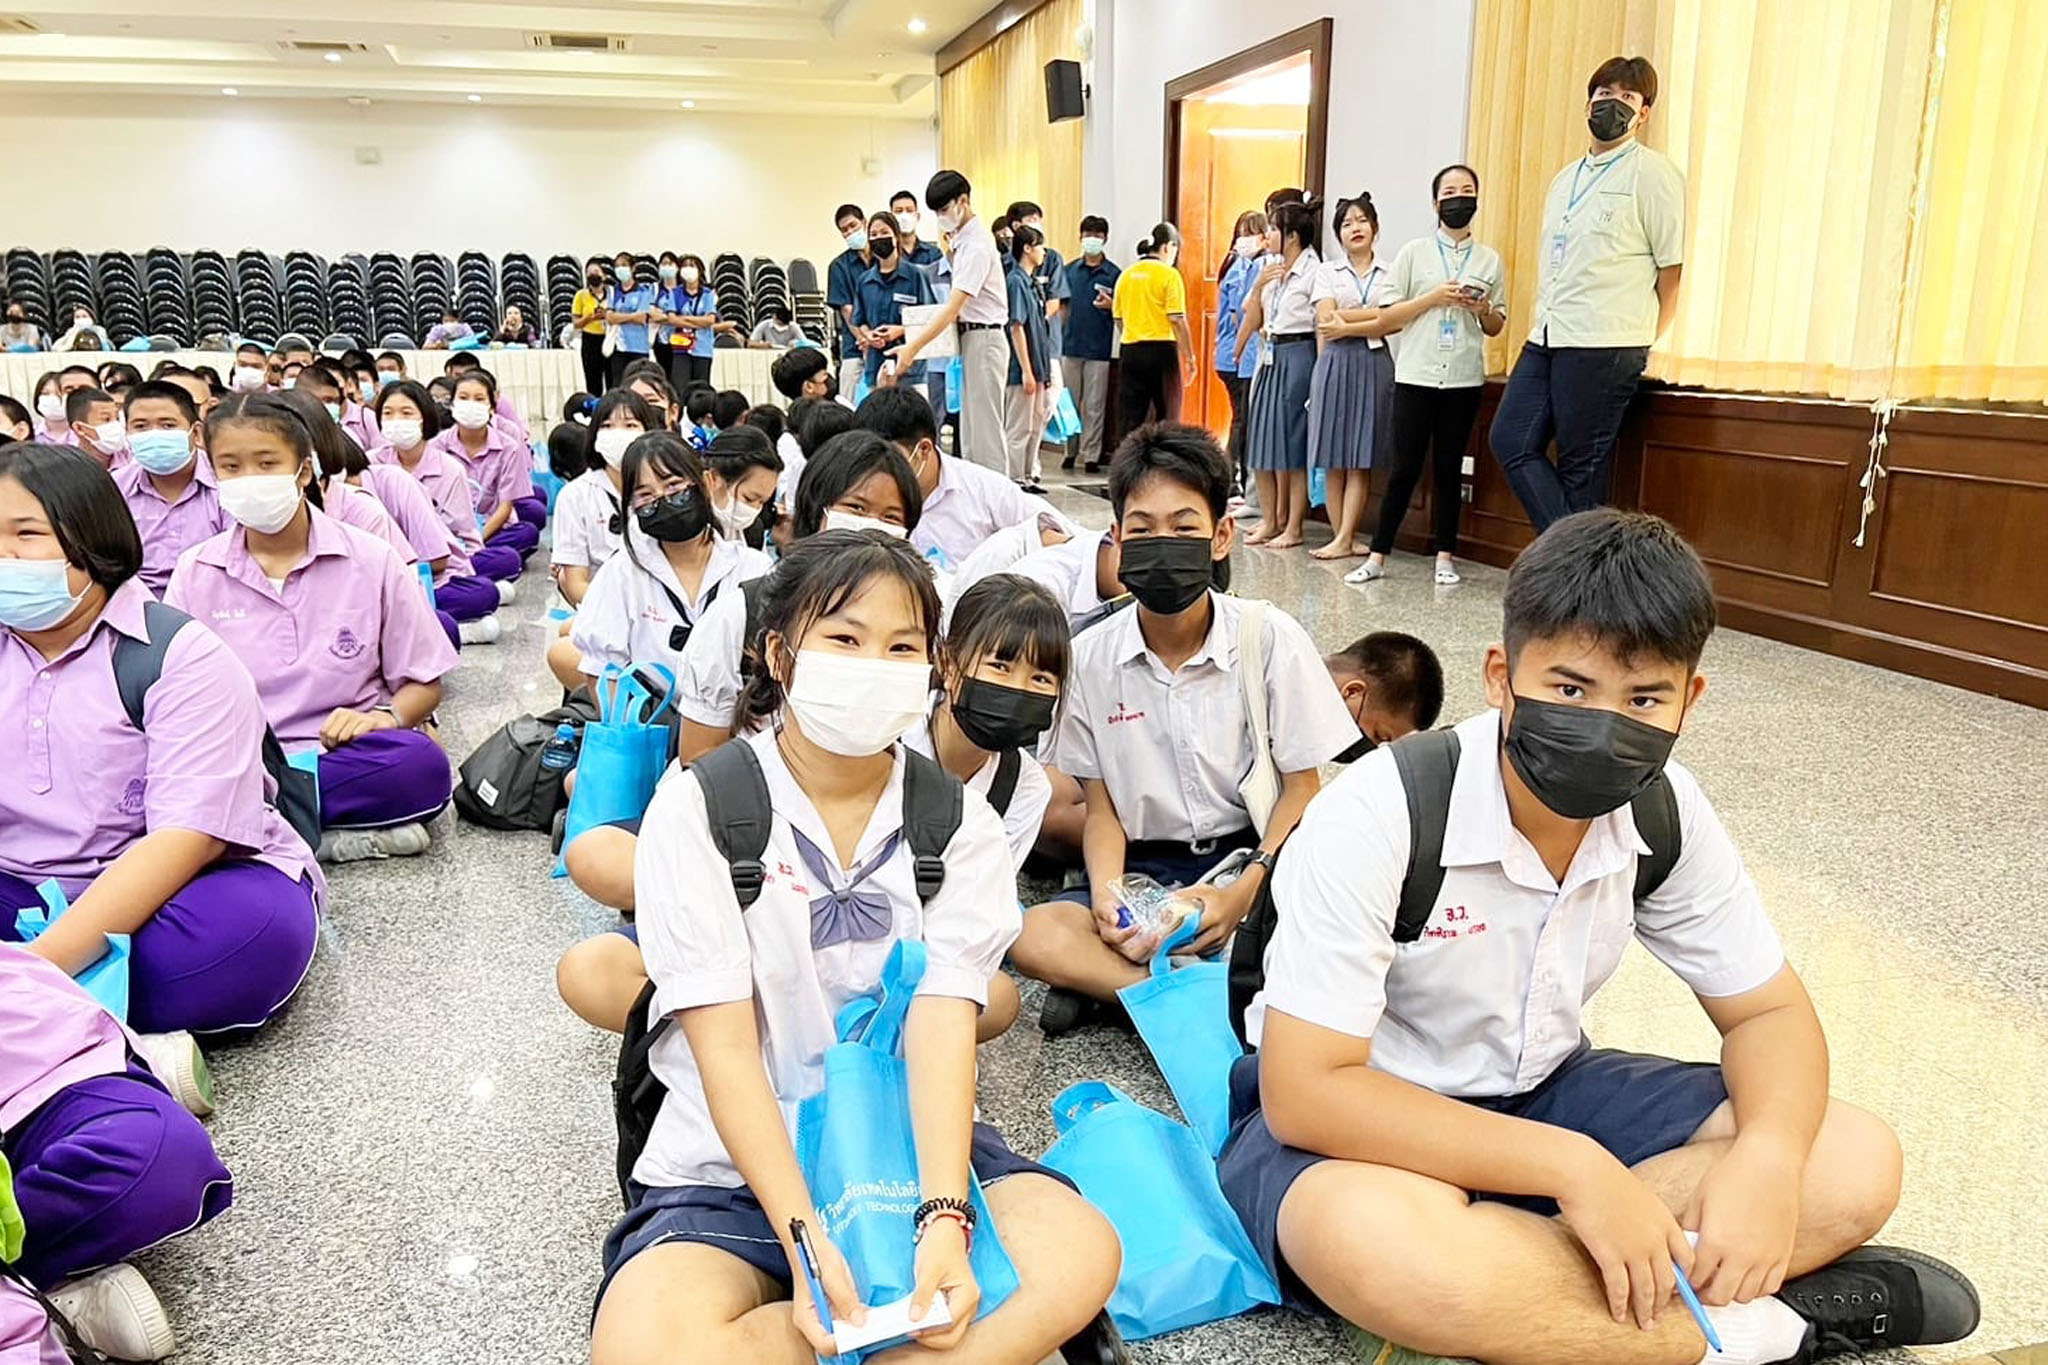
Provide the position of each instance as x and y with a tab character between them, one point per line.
1185	454
843	463
460	360
1009	617
901	195
479	375
1625	73
1022	209
795	367
698	402
86	511
163	392
247	346
80	402
780	312
614	401
900	414
1627	580
1285	195
728	407
846	211
14	414
1300	219
323	374
415	393
1404	672
943	188
739	448
568	450
392	356
818	423
1095	225
119	374
768	418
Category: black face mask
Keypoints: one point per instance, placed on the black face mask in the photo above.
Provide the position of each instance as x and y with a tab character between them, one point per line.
1581	761
882	248
998	718
1609	119
677	518
1457	210
1167	574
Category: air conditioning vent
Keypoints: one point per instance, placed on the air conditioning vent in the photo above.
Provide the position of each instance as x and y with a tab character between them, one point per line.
576	42
316	48
14	23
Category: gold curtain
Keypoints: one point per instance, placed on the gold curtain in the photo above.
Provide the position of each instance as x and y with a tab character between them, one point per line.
1864	182
992	126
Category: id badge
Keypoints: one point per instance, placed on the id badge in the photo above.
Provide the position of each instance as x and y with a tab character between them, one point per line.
1447	332
1557	241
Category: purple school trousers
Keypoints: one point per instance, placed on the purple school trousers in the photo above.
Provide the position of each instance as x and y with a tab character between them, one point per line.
223	953
387	777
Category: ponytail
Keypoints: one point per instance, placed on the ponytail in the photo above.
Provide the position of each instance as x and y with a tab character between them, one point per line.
1163	236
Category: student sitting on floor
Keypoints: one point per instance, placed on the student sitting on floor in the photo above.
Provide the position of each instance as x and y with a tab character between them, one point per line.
805	373
165	830
1391	683
590	514
1156	730
1423	1096
95	417
741	470
467	588
499	466
1005	663
168	483
105	1162
729	408
858	481
703	1254
344	648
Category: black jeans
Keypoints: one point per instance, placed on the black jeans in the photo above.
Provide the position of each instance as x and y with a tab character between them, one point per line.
1150	391
1239	388
1578	394
1427	420
616	363
688	371
593	362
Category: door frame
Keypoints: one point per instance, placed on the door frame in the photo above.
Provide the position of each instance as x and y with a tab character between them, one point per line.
1312	38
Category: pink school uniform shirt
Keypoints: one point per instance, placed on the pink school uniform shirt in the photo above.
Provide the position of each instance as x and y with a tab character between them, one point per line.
83	784
446	481
361	425
169	528
501	473
52	1034
418	521
348	629
358	507
509	416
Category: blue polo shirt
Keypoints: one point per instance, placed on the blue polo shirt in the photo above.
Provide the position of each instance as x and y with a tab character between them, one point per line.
705	300
926	254
639	299
1231	292
880	300
1025	308
1051	282
842	290
1090	331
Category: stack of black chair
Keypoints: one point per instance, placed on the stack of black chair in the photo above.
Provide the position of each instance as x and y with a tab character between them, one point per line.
305	294
433	291
565	278
28	284
391	302
71	288
476	292
735	298
519	283
123	309
348	303
169	301
213	295
258	296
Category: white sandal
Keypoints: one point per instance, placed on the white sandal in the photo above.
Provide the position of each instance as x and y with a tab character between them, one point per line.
1446	575
1366	573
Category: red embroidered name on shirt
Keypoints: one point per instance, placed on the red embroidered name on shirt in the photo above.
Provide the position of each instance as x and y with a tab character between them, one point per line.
1120	715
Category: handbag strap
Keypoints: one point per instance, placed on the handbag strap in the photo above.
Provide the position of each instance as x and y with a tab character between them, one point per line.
900	979
621	695
1184	932
1080	1100
1251	676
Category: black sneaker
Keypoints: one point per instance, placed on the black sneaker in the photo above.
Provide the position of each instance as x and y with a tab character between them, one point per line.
1099	1343
1068	464
1092	467
1065	1010
1878	1298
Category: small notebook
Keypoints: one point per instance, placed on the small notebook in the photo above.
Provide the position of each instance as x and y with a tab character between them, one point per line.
890	1322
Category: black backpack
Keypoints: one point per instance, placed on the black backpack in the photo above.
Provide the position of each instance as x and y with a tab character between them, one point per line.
1427	763
503	784
137	666
736	802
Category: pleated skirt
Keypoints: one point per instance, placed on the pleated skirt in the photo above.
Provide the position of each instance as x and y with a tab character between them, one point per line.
1351	406
1276	433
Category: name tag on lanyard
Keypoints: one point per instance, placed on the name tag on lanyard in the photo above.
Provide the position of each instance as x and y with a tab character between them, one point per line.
1447	332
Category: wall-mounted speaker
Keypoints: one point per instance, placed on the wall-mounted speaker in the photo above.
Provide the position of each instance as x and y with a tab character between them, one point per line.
1063	94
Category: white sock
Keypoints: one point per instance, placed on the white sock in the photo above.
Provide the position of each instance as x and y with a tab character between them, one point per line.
1760	1332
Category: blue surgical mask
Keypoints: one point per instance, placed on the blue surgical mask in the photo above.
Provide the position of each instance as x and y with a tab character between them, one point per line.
857	239
161	452
386	378
333	410
35	594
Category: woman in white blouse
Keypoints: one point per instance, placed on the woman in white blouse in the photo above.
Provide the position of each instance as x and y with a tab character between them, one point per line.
1351	397
1281	310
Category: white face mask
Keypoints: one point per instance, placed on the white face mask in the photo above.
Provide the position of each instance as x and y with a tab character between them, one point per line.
111	437
247	379
857	707
402	432
836	520
51	407
907	222
611	442
1249	245
471	414
737	515
949	221
265	503
690	276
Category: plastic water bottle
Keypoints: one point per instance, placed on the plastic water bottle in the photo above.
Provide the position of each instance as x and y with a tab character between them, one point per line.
560	754
1154	910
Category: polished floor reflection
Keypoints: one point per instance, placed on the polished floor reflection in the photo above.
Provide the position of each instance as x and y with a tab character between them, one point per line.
423	1147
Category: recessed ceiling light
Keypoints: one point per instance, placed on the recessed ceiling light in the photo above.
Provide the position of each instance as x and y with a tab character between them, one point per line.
334	56
229	90
476	99
689	104
917	26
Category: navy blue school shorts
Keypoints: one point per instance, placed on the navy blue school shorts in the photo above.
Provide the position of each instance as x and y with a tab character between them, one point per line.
1633	1105
1184	867
730	1218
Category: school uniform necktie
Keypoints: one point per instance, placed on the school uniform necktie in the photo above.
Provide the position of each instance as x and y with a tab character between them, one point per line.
848	914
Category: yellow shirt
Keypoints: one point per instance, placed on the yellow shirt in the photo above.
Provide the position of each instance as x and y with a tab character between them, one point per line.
586	301
1147	295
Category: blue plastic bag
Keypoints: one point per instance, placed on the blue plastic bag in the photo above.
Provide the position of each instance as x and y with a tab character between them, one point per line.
955	377
105	980
307	761
1318	483
623	755
1187	1259
1183	1014
859	1155
1066	422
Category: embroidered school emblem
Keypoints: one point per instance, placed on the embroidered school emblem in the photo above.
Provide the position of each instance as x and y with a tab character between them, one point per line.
346	645
132	798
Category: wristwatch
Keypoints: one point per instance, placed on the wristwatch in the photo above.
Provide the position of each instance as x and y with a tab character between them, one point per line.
1261	858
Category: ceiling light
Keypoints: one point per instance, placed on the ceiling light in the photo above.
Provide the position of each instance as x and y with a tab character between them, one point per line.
229	90
689	104
334	56
917	26
476	99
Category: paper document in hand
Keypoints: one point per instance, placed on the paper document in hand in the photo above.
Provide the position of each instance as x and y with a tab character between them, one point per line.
888	1322
917	317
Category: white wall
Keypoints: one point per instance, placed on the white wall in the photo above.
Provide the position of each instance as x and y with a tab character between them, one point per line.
97	174
1399	96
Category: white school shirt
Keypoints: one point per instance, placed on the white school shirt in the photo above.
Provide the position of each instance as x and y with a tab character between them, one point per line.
1342	284
1610	223
628	616
792	452
1000	553
701	950
708	678
1066	570
585	512
1422	359
1289	302
1028	801
1172	747
978	273
1488	1002
969	505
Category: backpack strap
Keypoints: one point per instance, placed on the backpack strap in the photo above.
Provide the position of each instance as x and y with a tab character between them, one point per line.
139	663
1101	613
932	806
1428	763
1656	812
1009	763
736	801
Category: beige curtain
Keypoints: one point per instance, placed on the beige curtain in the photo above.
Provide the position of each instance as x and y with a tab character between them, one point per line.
1864	182
992	126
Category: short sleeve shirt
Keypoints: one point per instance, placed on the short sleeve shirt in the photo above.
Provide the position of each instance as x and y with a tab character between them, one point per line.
1288	301
636	606
638	299
1444	348
978	273
1344	285
1090	331
842	290
1148	295
1610	223
589	522
169	529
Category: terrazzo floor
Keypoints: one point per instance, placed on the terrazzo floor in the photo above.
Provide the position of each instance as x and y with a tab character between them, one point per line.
422	1146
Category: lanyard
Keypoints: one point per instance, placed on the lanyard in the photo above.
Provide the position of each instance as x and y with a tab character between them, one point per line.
1454	276
1577	194
1364	285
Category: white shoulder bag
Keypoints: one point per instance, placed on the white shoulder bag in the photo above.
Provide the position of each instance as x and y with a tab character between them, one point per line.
1261	785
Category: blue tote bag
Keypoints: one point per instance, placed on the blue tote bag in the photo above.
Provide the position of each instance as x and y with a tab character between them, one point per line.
1187	1259
1065	423
1183	1014
623	755
859	1156
105	980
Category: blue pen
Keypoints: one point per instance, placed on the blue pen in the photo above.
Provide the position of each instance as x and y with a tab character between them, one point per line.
1699	1314
800	1235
